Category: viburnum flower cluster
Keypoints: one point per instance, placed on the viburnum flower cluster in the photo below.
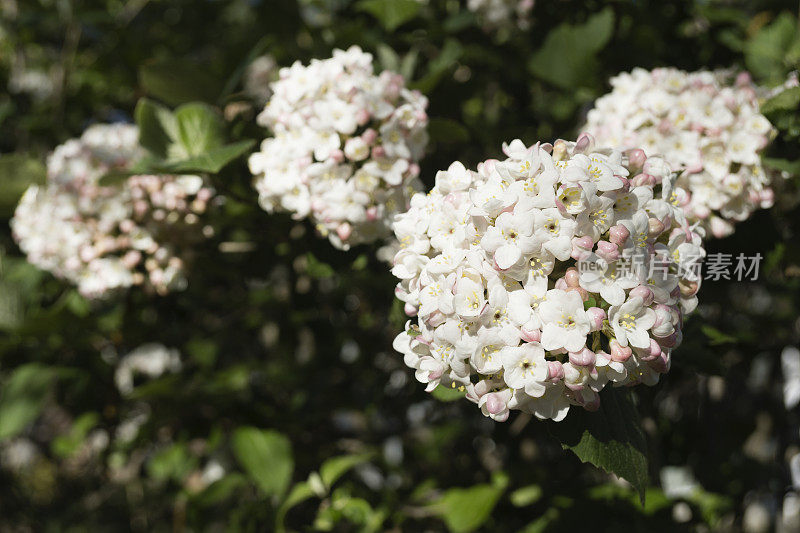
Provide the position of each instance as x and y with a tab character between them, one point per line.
538	280
106	237
502	13
345	147
705	123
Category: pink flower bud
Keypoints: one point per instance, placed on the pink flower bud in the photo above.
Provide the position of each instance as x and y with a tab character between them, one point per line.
620	353
688	288
561	283
654	228
607	251
555	370
410	310
618	234
494	403
572	277
413	170
482	387
344	231
644	179
362	116
337	155
596	317
650	353
581	247
584	143
372	213
369	136
644	292
530	335
378	152
636	159
584	294
743	79
661	363
585	357
669	341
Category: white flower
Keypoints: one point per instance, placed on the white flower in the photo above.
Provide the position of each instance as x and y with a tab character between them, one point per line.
108	237
631	321
151	360
487	260
706	124
496	14
565	322
345	147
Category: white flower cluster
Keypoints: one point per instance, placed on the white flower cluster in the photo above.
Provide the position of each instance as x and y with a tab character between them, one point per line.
706	124
108	237
151	360
345	147
502	13
537	280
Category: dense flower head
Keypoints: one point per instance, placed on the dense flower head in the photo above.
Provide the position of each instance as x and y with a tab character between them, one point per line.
705	123
106	237
538	280
345	147
502	13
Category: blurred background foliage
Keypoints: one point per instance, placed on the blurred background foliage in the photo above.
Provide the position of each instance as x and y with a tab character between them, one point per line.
287	408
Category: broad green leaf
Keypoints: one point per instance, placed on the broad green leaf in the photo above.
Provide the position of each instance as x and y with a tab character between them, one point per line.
567	57
784	165
177	81
447	58
611	438
765	53
715	336
335	467
317	269
266	456
157	126
525	496
447	394
17	173
66	445
212	161
200	129
22	397
465	510
220	490
391	13
788	100
299	493
173	462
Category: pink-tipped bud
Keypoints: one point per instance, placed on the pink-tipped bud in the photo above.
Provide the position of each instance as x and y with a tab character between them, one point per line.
654	228
369	136
372	213
362	116
585	357
596	317
636	159
581	247
530	335
572	277
413	170
561	284
378	152
584	294
482	387
645	293
410	310
337	155
647	180
494	403
688	288
669	341
584	143
607	251
743	79
344	231
661	363
650	353
620	353
618	234
555	370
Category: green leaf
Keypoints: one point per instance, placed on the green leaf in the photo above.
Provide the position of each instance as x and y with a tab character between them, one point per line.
220	490
447	394
23	397
447	58
788	100
177	81
765	53
158	128
525	496
266	456
611	438
11	306
335	467
567	57
66	445
200	129
173	462
784	165
212	161
299	493
317	269
17	173
715	336
391	13
465	510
